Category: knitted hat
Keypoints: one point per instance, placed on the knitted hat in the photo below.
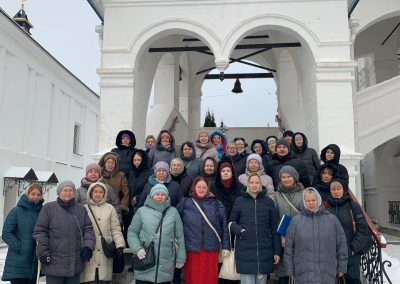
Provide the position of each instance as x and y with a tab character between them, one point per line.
93	166
282	141
165	133
254	156
290	171
125	135
158	188
203	131
271	139
161	165
225	165
63	184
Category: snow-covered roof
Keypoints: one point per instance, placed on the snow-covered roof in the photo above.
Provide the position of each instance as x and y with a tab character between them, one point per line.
48	177
25	173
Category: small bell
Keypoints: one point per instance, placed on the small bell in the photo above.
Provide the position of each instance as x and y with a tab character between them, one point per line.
237	88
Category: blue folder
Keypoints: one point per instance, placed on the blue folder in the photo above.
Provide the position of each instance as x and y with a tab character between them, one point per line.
284	224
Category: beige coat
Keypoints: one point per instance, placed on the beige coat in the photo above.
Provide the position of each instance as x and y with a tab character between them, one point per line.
108	221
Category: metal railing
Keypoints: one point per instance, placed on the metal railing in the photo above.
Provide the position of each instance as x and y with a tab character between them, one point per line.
394	212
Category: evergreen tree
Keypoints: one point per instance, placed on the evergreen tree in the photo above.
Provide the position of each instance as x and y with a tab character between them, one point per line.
212	123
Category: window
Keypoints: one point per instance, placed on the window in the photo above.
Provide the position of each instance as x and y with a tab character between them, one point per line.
77	139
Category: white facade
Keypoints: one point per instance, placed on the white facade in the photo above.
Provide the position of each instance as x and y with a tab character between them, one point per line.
42	104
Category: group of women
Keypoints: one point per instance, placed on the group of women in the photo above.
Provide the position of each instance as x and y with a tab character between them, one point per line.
194	205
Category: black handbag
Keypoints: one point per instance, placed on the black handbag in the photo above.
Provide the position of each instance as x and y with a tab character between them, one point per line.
150	259
109	249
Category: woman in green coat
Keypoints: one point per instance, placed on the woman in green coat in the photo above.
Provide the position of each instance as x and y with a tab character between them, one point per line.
21	262
169	243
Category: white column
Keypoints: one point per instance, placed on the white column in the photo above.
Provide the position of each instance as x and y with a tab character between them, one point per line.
184	99
194	114
166	86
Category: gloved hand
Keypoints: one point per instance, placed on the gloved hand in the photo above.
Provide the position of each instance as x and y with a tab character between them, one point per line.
242	233
225	253
141	254
179	265
86	254
120	252
44	259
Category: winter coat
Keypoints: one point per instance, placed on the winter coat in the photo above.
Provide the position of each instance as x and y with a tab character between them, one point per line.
206	150
341	170
62	231
138	176
264	154
295	196
174	190
198	234
322	187
192	164
172	245
315	247
256	246
221	149
266	180
238	161
226	196
125	152
117	180
107	219
81	196
278	162
184	181
21	261
308	155
160	153
355	240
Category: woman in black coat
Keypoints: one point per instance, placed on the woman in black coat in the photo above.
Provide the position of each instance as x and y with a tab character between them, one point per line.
357	234
180	176
209	170
125	143
254	222
331	155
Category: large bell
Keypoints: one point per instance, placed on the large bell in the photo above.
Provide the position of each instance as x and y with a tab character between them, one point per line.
237	88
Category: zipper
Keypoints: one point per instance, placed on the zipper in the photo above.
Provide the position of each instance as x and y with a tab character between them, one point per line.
255	221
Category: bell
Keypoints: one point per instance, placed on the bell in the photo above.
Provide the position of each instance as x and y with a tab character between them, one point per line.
237	88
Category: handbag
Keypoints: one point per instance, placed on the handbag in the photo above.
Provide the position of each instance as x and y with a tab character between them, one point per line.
109	249
149	260
292	280
228	268
340	280
118	264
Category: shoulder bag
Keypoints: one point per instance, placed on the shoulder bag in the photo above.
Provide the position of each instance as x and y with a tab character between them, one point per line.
109	249
228	268
207	221
290	203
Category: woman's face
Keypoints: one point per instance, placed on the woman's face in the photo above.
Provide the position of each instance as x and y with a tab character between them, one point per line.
209	167
203	138
126	140
272	146
201	188
137	160
160	197
232	149
298	140
337	191
226	173
67	193
240	145
254	184
287	180
326	176
92	175
97	194
329	154
110	165
187	151
150	142
175	167
35	195
254	166
311	201
257	149
165	139
161	174
216	140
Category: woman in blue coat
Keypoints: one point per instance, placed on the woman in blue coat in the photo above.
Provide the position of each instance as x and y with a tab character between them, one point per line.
254	222
201	241
21	261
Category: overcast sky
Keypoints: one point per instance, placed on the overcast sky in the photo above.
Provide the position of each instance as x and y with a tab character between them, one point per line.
66	29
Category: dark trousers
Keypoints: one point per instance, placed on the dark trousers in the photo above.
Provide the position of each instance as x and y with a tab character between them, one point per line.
352	280
177	276
23	281
147	282
283	280
63	280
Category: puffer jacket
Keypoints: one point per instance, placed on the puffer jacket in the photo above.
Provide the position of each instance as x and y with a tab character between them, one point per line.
308	155
206	150
116	179
107	219
198	233
160	153
21	261
125	152
174	190
256	246
315	247
170	239
138	176
342	172
81	196
192	164
355	240
62	231
278	162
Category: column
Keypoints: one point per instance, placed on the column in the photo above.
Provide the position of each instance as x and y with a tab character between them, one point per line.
166	86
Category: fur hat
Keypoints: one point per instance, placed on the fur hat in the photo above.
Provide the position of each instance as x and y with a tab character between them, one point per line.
289	170
63	184
158	188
